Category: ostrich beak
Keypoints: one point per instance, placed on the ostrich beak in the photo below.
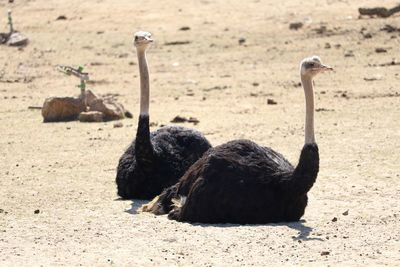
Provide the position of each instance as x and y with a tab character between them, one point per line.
325	68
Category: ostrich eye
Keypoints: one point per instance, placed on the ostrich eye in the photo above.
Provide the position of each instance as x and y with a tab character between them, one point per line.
310	65
136	38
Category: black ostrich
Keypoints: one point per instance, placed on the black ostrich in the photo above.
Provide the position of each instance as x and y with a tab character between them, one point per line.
242	182
158	159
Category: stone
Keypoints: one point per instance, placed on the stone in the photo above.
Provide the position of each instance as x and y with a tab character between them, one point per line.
118	125
296	25
91	116
90	97
17	39
62	109
111	110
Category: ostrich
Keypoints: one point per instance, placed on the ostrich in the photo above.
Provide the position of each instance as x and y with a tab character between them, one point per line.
158	159
242	182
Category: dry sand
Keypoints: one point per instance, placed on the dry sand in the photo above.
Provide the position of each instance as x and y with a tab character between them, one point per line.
66	171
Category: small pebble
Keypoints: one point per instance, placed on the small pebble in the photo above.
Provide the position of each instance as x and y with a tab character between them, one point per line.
118	125
380	50
349	54
367	35
296	25
36	211
62	17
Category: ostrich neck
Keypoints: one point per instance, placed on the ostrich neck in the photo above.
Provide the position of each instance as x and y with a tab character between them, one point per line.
309	96
144	82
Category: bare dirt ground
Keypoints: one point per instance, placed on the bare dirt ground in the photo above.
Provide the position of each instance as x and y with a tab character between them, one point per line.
65	171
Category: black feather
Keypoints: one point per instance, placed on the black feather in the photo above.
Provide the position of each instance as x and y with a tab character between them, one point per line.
157	160
242	182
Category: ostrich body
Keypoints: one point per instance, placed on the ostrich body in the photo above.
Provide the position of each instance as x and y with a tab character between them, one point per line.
242	182
155	160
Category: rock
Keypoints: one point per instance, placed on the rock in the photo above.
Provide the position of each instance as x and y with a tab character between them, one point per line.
128	114
61	17
62	109
380	50
68	108
179	119
17	39
118	125
271	101
379	11
193	120
111	110
241	41
90	97
296	25
334	219
389	28
36	211
367	35
325	253
346	213
322	29
184	28
349	54
323	109
91	116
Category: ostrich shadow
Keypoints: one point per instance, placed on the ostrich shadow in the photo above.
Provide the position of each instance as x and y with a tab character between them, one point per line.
135	205
303	234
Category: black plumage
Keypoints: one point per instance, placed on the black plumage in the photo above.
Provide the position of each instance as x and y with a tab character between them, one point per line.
158	159
242	182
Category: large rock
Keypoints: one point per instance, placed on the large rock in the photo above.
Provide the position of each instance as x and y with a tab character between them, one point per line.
69	108
62	109
17	39
90	97
111	110
91	116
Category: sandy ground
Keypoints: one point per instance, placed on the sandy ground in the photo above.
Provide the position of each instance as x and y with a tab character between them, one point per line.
66	171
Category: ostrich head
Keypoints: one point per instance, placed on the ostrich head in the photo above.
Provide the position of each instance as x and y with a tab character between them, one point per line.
142	40
312	66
